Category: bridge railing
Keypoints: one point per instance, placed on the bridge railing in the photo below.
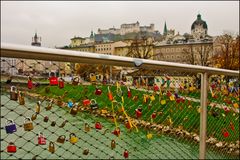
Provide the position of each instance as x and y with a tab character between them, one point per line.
163	109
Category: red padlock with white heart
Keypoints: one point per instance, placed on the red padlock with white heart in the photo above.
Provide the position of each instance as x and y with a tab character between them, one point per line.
138	112
129	92
41	139
125	154
11	148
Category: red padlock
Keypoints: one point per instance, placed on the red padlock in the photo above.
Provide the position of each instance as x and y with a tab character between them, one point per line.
169	94
86	102
156	88
30	83
98	91
154	115
116	132
225	133
178	100
125	154
53	80
41	139
98	125
110	96
129	93
138	112
61	83
127	125
226	109
11	148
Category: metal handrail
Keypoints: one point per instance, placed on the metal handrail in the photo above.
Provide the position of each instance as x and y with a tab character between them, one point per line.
50	54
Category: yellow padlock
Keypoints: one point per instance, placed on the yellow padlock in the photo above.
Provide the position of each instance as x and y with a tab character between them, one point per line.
152	98
163	102
149	136
235	105
73	138
145	97
172	98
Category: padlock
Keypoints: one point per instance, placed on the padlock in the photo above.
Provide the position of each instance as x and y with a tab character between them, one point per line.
163	102
49	106
116	131
156	88
41	139
59	101
98	91
110	96
61	83
21	98
45	119
129	94
53	123
152	98
113	144
85	151
63	124
154	115
86	102
178	100
13	93
225	133
51	147
28	125
135	98
61	139
98	125
70	104
169	93
93	104
172	98
74	110
128	125
72	138
30	83
11	148
10	126
38	107
145	98
125	153
86	127
34	116
75	81
53	81
138	112
149	136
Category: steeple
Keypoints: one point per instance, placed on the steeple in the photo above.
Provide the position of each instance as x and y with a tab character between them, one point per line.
36	41
91	36
165	29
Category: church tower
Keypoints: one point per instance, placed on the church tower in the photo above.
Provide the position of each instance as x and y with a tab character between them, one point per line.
36	41
165	29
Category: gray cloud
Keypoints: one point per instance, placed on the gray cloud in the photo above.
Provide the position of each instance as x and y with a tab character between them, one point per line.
57	22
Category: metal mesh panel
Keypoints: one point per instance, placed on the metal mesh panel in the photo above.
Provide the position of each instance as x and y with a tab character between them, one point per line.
157	112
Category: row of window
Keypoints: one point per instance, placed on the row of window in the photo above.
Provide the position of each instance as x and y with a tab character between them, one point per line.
102	49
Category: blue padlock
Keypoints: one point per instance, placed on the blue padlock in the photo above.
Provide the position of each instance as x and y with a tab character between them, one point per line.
10	126
70	104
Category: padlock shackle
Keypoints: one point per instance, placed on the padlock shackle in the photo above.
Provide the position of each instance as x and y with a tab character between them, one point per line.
10	143
62	136
13	87
93	101
72	134
40	133
51	144
9	121
27	118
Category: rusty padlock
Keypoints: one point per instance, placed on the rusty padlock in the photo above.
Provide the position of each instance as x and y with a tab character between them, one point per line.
51	147
13	93
61	139
74	110
28	125
113	144
86	127
21	98
49	106
34	116
63	124
38	107
46	119
53	123
85	151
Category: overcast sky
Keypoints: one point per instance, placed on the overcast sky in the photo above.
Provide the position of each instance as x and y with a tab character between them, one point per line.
57	22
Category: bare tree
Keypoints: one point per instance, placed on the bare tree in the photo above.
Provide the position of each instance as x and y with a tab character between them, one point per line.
188	51
204	51
228	55
141	47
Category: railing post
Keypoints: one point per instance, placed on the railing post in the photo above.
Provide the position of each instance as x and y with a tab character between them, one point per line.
203	116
